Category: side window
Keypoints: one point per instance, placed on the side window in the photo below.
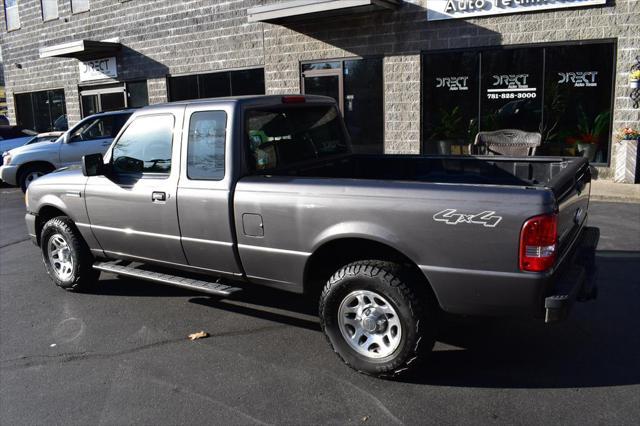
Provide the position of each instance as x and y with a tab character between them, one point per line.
145	146
99	128
205	147
283	136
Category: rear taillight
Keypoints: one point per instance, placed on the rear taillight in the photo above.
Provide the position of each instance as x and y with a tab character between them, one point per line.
538	243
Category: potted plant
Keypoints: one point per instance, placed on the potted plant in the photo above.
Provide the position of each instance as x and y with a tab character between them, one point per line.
627	140
589	134
444	134
634	79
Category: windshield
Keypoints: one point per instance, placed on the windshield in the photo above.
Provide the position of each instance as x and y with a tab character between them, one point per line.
282	136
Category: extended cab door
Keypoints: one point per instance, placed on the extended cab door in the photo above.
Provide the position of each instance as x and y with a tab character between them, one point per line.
204	189
92	136
133	210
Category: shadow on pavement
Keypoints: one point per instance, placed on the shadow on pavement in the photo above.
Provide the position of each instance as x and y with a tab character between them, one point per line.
599	345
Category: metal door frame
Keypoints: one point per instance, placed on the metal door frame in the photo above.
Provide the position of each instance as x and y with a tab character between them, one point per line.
332	72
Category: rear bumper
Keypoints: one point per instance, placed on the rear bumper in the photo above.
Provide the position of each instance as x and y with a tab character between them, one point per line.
522	294
576	280
8	174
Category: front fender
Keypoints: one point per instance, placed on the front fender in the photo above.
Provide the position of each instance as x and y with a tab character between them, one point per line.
49	154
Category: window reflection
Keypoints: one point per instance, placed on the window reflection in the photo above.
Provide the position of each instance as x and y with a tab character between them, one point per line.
564	92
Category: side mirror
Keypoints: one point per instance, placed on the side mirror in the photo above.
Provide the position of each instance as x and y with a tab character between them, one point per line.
93	165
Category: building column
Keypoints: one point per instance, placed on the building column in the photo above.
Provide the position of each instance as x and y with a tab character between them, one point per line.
402	104
72	103
157	88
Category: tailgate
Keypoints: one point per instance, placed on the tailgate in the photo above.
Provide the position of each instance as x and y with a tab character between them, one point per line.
571	188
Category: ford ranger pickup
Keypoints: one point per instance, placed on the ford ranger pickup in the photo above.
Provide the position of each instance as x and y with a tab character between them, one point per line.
223	195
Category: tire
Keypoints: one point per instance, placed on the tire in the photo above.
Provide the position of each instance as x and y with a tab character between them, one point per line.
71	267
31	173
369	294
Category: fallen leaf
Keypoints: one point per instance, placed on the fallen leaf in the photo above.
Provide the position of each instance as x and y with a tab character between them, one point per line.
198	335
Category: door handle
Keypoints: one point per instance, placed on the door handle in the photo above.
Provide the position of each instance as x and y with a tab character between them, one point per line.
158	196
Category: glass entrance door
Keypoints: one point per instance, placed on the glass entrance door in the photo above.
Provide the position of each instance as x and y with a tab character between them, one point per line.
103	99
356	85
324	83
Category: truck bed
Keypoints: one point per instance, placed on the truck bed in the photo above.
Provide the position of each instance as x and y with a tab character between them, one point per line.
536	172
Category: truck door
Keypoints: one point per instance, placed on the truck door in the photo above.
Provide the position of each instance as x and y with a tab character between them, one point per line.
133	210
204	190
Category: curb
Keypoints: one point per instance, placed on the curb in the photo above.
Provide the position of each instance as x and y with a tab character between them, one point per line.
609	191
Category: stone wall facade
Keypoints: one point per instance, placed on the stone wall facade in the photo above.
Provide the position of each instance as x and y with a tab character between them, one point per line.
162	37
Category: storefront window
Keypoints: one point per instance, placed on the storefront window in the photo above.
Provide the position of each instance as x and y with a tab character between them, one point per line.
138	94
41	111
564	92
216	85
183	88
511	89
577	101
451	93
356	85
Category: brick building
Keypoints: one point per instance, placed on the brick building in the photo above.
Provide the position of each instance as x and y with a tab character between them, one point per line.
412	76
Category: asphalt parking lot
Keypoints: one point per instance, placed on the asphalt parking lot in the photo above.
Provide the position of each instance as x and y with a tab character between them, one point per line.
120	354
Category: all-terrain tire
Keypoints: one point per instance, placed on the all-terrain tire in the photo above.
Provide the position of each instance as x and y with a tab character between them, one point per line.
71	267
406	294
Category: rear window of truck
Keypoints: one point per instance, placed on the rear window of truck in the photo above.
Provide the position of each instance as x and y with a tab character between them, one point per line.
282	136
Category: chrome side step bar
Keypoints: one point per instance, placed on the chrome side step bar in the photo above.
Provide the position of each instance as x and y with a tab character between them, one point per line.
214	288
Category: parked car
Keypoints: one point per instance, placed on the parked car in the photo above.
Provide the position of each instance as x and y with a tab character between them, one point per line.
13	137
94	134
224	195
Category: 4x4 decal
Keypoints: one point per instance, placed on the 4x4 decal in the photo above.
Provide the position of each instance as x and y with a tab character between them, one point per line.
451	217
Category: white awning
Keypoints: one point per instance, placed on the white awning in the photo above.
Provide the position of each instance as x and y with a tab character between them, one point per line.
81	49
295	9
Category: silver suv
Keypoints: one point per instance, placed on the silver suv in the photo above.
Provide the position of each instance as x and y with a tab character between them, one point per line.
93	135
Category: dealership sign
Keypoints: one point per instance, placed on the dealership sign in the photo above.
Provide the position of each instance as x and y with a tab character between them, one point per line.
460	9
98	69
453	84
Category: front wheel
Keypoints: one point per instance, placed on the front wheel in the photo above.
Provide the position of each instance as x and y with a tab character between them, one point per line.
66	256
376	320
31	173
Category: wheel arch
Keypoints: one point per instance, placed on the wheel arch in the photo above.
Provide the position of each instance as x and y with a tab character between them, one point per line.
42	163
46	213
333	254
38	163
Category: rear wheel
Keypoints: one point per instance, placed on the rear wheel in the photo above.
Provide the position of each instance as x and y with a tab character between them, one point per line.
66	256
375	320
31	173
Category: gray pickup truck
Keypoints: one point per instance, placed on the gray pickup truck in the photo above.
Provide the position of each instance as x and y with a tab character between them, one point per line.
223	195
